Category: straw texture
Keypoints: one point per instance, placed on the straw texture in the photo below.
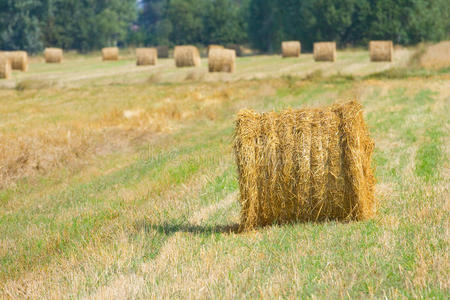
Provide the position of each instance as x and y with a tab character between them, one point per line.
290	49
325	51
222	60
53	55
304	165
187	56
381	50
5	66
146	56
19	60
110	53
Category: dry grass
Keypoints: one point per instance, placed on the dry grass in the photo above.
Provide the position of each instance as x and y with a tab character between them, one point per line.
149	209
150	212
436	56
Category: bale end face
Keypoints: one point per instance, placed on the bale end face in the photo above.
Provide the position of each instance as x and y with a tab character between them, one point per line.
381	51
325	51
187	56
290	49
304	165
110	53
19	60
53	55
222	60
5	66
146	56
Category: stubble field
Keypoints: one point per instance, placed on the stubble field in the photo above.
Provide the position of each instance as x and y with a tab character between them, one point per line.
118	181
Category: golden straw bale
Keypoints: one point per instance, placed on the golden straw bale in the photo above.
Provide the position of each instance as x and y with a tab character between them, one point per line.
381	50
5	66
146	56
186	56
222	60
19	60
163	51
291	49
436	56
110	53
325	51
211	47
304	165
53	55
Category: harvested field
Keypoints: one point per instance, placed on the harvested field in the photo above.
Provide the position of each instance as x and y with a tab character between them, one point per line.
117	183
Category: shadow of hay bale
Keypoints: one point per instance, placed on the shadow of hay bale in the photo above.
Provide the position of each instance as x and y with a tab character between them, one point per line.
172	228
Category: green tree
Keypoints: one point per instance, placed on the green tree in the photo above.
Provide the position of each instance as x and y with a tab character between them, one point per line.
186	17
19	27
224	23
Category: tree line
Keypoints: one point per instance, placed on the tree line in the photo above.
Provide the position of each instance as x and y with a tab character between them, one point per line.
86	25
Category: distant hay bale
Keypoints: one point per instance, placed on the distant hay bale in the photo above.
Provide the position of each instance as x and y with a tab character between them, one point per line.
110	53
290	49
19	60
146	56
53	55
381	50
325	51
211	47
222	60
186	56
163	51
436	56
5	66
304	165
236	47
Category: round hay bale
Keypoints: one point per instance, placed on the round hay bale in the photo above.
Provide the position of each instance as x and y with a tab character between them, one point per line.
53	55
163	51
146	56
110	53
19	60
290	49
304	165
186	56
222	60
381	50
5	66
325	51
211	47
436	56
